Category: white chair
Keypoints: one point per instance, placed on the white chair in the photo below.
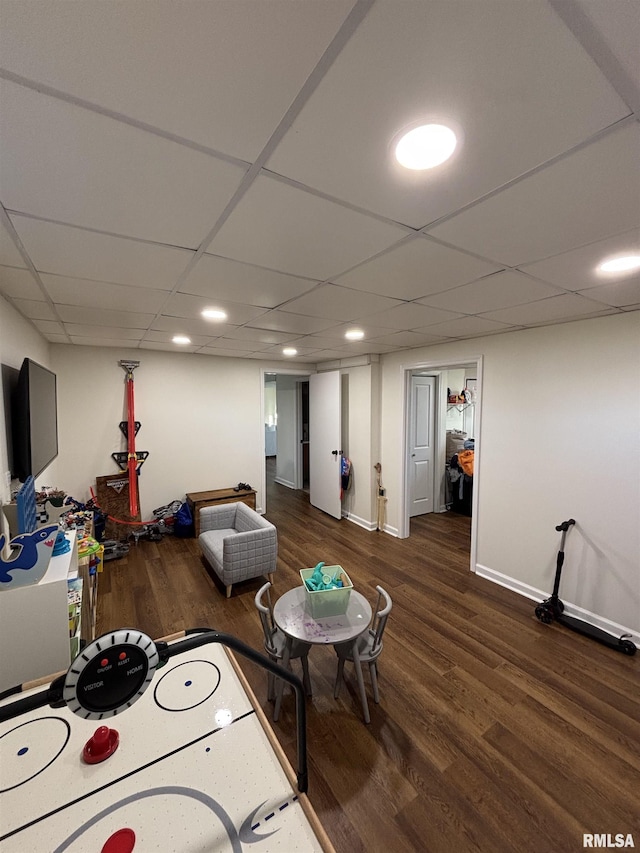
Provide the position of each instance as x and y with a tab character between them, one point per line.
274	645
369	647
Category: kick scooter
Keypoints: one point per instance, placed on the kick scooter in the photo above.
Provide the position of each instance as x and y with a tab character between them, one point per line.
553	609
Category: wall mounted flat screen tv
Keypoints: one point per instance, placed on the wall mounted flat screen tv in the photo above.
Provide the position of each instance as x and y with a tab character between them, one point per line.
34	420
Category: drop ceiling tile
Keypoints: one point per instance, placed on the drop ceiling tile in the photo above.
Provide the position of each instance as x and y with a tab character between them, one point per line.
311	342
104	317
57	339
416	268
591	194
568	306
190	325
246	333
167	347
337	333
620	28
301	351
49	327
282	227
364	347
410	340
9	254
339	303
321	355
78	253
220	278
101	333
578	269
233	344
468	327
19	283
100	295
225	353
335	339
622	294
500	290
275	356
222	74
66	163
119	343
280	321
516	103
411	315
35	310
166	338
185	305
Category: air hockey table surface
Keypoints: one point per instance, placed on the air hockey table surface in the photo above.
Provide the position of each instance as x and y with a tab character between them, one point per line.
197	769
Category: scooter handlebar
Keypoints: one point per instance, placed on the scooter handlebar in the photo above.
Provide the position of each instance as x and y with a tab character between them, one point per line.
565	525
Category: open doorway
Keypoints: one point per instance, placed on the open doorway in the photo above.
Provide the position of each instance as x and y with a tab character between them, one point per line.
285	407
442	420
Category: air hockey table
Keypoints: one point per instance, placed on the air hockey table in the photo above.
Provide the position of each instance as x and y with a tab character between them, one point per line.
193	765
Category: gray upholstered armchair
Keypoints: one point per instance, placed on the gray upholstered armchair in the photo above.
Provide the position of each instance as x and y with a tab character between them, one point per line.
238	543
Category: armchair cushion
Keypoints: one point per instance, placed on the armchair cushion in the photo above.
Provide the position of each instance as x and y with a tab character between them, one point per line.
237	542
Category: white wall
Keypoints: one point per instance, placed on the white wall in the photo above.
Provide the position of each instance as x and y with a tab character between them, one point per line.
559	439
200	420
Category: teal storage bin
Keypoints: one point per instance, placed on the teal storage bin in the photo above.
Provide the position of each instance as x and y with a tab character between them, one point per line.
327	602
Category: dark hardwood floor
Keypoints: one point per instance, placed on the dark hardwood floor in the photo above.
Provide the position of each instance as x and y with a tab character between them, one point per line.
493	733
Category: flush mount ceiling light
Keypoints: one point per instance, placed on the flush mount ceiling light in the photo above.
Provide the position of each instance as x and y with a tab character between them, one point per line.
354	335
289	351
621	263
214	314
426	146
181	339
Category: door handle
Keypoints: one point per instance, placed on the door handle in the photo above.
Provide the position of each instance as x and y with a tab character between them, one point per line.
335	452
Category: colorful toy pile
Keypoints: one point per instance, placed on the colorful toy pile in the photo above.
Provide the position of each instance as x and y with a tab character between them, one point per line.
319	580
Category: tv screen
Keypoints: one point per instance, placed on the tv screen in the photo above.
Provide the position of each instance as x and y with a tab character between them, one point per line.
34	420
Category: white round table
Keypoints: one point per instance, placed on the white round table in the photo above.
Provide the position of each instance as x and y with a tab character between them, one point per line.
292	617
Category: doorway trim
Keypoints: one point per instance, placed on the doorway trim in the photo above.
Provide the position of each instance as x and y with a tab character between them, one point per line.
440	365
302	372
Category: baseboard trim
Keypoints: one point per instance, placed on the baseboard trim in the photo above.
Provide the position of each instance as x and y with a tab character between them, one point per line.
287	483
361	522
570	609
371	526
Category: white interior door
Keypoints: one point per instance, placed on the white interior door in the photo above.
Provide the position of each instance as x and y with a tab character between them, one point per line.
421	453
325	442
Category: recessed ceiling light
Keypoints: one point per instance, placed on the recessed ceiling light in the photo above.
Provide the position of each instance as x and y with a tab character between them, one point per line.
623	263
289	351
181	339
214	314
426	146
354	335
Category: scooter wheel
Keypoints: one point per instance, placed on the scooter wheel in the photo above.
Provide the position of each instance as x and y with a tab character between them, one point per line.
627	647
544	614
